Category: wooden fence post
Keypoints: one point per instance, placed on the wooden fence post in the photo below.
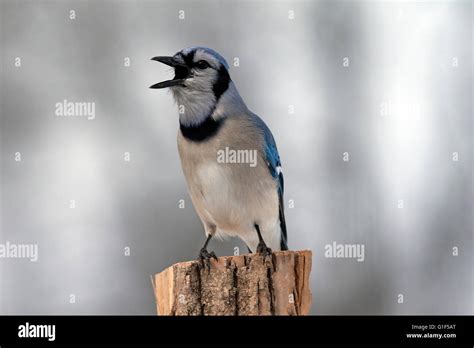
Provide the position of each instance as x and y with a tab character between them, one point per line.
237	285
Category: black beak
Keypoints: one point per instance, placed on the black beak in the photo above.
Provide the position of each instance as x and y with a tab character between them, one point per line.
170	61
166	60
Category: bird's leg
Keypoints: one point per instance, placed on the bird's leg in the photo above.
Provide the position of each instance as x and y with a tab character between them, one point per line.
205	256
262	247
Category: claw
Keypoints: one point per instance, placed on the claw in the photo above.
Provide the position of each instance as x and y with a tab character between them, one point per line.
264	250
205	258
213	255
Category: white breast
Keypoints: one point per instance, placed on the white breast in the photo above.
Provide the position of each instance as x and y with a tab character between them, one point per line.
233	197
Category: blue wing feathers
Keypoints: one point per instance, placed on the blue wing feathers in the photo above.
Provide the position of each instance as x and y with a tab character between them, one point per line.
274	166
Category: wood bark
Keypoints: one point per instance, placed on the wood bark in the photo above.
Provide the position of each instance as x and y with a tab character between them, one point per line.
237	285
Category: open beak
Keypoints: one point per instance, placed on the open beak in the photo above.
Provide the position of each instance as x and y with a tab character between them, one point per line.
181	72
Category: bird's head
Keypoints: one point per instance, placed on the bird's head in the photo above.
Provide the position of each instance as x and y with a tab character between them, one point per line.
201	77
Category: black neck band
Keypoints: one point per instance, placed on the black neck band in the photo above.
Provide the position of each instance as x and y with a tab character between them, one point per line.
203	131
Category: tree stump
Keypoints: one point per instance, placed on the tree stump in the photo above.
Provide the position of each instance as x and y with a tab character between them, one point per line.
237	285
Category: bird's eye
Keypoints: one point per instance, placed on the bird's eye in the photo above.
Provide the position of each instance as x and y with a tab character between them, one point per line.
202	64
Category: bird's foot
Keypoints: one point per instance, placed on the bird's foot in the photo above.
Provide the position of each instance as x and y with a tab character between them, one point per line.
205	258
264	250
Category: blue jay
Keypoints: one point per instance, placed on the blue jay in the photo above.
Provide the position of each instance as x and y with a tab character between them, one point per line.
231	199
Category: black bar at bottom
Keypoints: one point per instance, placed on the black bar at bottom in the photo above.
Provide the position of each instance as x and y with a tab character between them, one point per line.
136	330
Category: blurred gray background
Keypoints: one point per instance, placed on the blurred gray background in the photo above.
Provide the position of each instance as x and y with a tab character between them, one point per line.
400	110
